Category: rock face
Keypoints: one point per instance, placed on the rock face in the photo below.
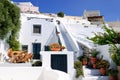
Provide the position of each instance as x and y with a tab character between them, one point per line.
19	56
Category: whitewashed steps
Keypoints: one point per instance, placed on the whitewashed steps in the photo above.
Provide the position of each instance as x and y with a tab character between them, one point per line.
93	74
95	78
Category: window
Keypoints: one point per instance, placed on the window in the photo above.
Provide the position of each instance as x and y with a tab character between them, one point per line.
24	47
85	26
37	29
83	23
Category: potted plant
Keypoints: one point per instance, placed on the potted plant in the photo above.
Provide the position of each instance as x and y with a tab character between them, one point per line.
55	47
93	58
115	55
103	65
63	47
79	69
83	59
94	66
112	74
37	63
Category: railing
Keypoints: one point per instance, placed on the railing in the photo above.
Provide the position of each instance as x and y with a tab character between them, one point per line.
72	40
60	37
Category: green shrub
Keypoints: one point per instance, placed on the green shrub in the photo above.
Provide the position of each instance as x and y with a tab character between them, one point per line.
94	53
110	36
60	14
37	63
103	64
114	51
112	72
9	23
79	69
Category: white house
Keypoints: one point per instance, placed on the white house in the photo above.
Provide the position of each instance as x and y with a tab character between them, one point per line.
35	33
38	31
27	7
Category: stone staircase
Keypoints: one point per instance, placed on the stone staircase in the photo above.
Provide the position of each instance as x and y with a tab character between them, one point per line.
93	74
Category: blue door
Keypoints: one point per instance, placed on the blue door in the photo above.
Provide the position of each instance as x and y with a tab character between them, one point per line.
36	50
59	62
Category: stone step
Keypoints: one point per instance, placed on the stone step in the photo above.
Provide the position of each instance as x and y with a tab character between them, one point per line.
93	72
95	78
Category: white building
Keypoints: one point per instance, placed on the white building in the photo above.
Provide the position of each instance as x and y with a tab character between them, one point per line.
27	7
38	31
115	25
94	17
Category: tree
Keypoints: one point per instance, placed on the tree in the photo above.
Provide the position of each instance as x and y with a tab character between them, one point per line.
9	23
60	14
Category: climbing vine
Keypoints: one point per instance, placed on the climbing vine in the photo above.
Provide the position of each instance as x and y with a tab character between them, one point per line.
9	23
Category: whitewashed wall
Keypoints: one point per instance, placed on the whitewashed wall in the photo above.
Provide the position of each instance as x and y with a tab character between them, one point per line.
104	50
3	48
27	37
31	73
46	60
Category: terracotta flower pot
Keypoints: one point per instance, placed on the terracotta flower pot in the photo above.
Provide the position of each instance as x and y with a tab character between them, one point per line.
118	75
112	78
93	60
102	71
58	32
94	66
55	49
63	47
118	68
84	62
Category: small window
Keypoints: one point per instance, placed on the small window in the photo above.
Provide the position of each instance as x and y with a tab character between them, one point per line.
83	23
24	47
85	26
37	29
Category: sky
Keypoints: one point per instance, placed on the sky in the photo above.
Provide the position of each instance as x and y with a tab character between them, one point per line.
110	9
